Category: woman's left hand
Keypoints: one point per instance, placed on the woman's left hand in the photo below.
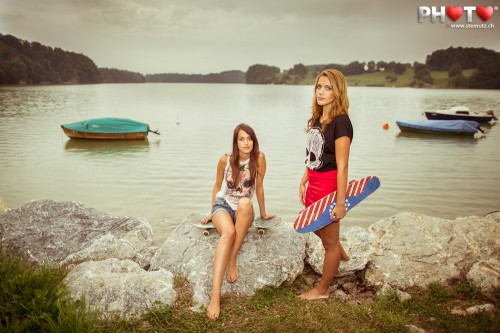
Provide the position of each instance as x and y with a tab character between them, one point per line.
338	212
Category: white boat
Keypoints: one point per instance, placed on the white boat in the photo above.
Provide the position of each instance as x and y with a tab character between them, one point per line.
461	113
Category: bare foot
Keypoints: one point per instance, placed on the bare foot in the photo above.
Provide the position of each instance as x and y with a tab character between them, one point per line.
232	272
314	294
213	309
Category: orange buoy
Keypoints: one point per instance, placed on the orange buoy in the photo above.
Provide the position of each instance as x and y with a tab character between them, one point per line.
385	126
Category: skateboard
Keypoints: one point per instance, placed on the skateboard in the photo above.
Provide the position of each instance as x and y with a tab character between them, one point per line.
317	215
195	219
261	225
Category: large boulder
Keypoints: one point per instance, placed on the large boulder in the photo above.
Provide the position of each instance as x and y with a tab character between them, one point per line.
416	250
485	274
61	233
356	241
119	287
263	260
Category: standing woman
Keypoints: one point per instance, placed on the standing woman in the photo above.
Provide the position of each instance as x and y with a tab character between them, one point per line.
329	137
239	175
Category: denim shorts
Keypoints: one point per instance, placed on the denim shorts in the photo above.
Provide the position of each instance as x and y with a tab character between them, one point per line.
221	205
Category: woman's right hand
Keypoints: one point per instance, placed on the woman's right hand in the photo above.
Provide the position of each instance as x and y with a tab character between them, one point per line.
206	219
302	194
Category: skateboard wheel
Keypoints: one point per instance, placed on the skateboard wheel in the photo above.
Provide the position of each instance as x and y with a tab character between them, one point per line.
262	231
206	232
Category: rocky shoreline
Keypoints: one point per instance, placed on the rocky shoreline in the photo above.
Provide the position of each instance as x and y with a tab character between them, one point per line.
114	262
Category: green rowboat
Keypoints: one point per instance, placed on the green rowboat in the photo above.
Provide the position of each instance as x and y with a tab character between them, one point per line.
107	129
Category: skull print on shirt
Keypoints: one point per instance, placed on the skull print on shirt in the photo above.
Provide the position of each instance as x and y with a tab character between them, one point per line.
314	148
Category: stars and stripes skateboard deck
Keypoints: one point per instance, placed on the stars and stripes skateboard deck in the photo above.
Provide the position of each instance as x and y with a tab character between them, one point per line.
317	215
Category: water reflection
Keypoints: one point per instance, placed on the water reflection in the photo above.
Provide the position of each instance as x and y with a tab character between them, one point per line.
441	138
105	147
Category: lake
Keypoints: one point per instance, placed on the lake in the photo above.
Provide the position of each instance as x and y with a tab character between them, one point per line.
166	177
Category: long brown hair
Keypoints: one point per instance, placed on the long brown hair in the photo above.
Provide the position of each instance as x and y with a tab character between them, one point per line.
235	156
340	103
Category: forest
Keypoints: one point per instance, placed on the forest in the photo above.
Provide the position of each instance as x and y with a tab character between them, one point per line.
222	77
24	62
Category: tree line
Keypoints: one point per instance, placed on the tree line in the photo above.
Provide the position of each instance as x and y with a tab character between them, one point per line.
223	77
457	59
23	62
454	60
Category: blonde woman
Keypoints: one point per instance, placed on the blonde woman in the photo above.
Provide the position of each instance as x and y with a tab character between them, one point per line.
329	136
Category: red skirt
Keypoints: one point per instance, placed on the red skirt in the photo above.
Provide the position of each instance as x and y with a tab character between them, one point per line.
319	185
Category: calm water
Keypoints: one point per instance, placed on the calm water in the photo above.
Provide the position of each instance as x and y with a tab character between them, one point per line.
169	176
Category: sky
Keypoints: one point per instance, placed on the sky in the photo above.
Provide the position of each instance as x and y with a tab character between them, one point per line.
211	36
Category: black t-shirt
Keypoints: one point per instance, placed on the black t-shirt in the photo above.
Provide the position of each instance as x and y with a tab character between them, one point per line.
320	150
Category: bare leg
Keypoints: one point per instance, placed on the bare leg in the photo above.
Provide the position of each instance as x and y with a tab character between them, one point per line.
330	238
244	218
224	225
343	255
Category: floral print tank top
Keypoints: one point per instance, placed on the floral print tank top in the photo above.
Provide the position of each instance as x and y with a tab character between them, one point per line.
229	191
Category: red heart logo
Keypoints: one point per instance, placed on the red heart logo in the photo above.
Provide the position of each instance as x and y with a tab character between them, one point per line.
484	12
454	12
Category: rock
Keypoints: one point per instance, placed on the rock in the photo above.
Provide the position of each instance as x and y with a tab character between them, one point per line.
61	233
408	248
340	295
415	329
485	274
264	260
494	215
350	288
402	296
458	312
356	242
480	308
120	287
3	206
110	255
385	290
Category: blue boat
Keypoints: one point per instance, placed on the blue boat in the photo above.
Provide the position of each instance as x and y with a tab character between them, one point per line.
455	127
107	129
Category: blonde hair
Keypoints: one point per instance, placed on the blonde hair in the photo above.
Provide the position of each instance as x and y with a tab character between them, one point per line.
340	103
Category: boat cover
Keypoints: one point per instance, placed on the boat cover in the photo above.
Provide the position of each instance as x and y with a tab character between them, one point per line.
108	125
443	126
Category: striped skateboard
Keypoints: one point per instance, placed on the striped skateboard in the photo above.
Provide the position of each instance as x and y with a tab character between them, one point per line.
317	215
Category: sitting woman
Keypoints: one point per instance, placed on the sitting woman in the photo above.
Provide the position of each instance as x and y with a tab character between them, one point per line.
239	175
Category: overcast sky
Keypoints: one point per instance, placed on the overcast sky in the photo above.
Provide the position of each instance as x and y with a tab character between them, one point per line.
210	36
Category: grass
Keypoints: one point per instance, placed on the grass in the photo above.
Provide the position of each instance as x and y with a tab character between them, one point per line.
34	300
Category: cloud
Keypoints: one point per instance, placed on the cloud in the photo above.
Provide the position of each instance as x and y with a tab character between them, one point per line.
202	36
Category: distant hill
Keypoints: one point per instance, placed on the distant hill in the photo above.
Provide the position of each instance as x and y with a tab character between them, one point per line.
222	77
113	75
23	62
457	59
